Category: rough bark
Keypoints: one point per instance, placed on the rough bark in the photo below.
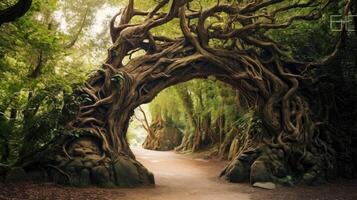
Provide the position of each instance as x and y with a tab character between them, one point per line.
226	145
285	139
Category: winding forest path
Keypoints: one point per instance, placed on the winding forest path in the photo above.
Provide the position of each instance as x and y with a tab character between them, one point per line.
185	177
180	177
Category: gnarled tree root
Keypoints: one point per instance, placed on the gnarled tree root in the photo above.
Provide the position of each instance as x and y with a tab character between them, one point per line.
273	164
85	164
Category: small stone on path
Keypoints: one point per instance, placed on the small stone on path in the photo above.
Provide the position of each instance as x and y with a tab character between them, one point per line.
265	185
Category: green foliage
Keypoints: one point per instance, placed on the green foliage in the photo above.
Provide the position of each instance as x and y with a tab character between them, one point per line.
167	105
38	70
208	96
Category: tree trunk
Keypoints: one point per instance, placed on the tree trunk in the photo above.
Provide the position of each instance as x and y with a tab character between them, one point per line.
164	136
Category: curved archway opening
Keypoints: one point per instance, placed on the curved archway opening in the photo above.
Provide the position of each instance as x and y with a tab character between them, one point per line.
191	130
191	116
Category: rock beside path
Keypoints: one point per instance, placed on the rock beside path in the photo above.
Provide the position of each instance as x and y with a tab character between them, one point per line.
265	185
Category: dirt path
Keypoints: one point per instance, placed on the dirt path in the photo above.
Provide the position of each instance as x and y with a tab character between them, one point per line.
180	177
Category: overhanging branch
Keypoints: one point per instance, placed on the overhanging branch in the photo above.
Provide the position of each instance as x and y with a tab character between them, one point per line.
14	12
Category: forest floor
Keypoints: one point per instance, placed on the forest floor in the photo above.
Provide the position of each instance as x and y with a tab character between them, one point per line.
181	177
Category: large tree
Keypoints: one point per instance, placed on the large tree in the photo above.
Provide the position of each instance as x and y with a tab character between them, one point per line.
228	40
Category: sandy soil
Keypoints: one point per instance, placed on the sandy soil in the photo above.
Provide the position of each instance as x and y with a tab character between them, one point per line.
181	177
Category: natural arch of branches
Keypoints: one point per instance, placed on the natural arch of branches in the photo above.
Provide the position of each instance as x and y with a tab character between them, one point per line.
289	140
